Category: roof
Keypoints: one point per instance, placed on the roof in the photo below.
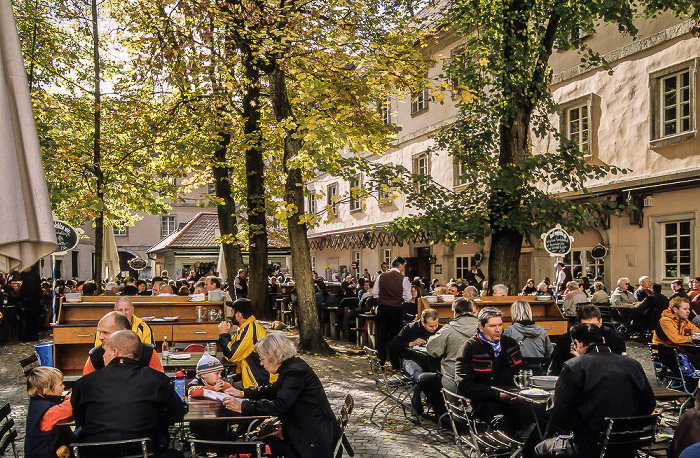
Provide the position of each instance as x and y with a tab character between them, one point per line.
200	233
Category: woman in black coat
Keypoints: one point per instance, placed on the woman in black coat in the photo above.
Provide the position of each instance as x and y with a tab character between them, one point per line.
297	398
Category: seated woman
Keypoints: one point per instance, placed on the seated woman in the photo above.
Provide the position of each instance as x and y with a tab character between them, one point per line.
530	288
574	296
599	296
297	398
674	326
345	291
323	296
410	308
534	341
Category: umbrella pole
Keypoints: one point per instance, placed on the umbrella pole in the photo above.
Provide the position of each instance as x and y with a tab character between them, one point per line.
53	287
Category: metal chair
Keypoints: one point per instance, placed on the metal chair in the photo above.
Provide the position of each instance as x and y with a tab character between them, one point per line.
133	448
8	434
397	388
196	348
625	436
470	442
343	442
224	449
668	368
611	318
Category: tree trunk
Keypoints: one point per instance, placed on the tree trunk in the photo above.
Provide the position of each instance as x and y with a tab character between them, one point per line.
504	260
310	337
255	199
97	151
226	212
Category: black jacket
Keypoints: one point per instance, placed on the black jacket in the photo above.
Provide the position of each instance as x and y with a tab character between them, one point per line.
125	400
562	350
477	369
43	444
298	399
596	385
97	353
408	334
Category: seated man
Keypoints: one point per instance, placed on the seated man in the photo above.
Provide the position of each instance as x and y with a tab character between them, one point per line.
674	328
489	359
108	325
580	404
239	349
414	333
648	313
445	345
644	290
563	350
125	400
136	324
621	295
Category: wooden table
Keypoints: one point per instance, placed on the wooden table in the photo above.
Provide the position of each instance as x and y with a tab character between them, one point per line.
666	394
190	363
203	409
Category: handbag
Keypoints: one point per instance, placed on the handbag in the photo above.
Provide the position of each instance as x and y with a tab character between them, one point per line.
687	368
269	430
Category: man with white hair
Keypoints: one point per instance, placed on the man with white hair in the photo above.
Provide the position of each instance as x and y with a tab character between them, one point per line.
644	289
111	289
621	295
500	290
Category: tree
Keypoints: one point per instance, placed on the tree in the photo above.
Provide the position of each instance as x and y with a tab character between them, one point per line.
502	75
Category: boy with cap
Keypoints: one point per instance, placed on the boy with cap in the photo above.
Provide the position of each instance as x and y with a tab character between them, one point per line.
208	377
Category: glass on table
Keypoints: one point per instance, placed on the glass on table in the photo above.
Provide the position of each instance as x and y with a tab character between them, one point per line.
523	379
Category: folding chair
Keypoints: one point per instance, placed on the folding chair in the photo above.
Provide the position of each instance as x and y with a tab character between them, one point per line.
133	448
625	436
611	317
29	363
343	442
470	442
8	434
667	368
397	388
225	449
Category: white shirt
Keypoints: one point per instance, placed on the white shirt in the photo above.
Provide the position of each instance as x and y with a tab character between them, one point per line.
406	286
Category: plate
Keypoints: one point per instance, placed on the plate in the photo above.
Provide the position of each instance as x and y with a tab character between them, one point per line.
180	356
147	318
171	318
157	319
535	392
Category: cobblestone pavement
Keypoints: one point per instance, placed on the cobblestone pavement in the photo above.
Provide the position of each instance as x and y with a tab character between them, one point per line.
345	372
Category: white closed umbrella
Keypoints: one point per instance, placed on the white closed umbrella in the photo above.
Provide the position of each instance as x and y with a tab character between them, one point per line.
27	232
110	255
221	264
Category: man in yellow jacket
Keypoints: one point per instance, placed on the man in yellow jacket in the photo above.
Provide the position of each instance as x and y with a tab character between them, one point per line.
125	306
239	349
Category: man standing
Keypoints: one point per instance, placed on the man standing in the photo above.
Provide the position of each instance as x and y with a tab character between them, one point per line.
109	324
414	333
475	276
591	387
240	285
644	289
445	346
678	291
125	400
489	359
136	324
621	295
239	349
391	290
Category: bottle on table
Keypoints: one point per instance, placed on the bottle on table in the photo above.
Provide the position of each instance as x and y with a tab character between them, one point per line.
165	351
180	384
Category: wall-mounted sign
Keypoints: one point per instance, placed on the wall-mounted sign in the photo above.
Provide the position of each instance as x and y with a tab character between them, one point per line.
66	237
137	263
599	252
557	241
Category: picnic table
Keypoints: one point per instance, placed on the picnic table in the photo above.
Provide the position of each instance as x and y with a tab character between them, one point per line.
204	409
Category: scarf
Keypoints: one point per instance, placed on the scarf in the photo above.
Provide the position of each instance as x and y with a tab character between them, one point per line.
495	345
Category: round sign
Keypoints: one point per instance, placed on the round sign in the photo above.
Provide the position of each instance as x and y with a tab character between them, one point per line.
599	252
354	265
137	263
557	241
66	237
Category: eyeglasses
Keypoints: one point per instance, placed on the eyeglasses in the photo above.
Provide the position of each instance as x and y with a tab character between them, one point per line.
263	358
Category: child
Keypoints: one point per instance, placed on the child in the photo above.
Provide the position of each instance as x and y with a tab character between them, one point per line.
208	377
47	407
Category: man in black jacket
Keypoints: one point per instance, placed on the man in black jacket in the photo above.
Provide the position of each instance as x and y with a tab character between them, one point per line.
489	359
125	400
591	387
414	333
586	314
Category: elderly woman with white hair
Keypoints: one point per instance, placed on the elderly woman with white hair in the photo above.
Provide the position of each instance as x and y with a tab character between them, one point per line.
532	338
297	398
574	296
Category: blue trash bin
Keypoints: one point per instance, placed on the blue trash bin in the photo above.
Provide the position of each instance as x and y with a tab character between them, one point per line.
45	353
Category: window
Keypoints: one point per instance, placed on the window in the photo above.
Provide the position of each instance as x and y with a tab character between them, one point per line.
211	188
462	265
582	264
460	170
677	249
384	194
123	232
419	101
357	257
384	110
577	127
332	199
421	166
673	104
386	256
313	262
311	204
74	264
355	200
168	225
